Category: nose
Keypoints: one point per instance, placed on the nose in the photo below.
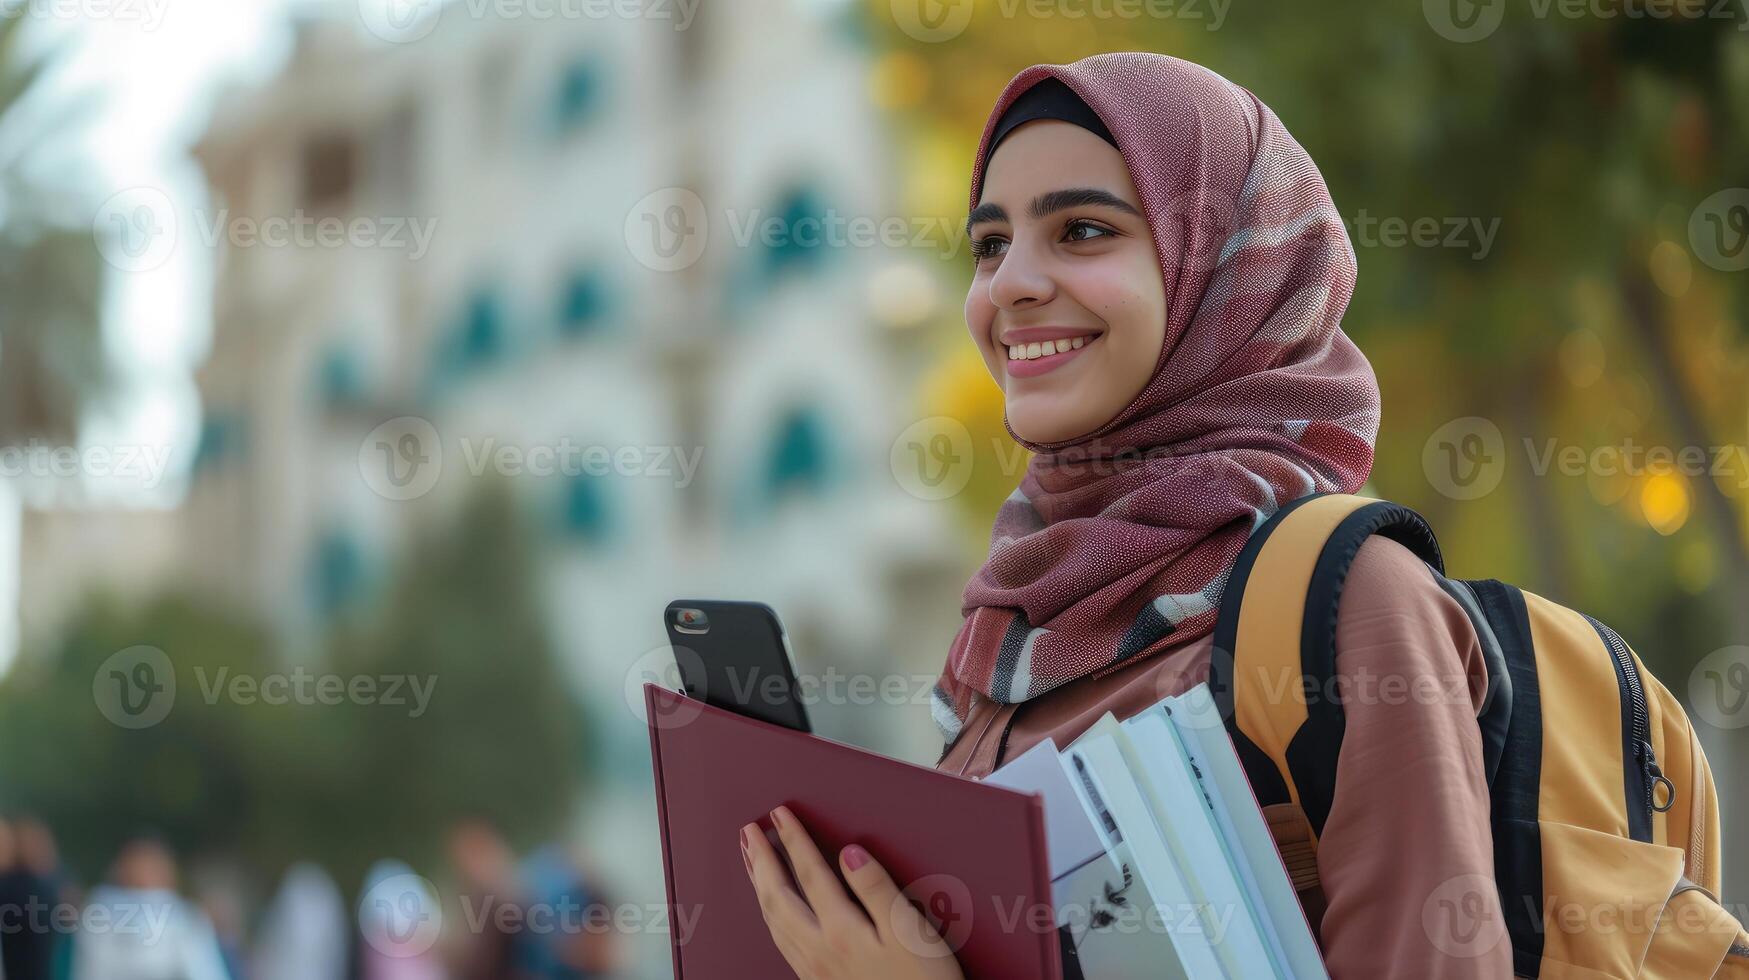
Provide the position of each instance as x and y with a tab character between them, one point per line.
1022	279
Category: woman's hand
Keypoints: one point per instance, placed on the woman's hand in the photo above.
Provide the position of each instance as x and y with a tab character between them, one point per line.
825	934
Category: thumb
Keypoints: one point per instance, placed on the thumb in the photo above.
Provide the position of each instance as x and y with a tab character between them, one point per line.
895	918
872	885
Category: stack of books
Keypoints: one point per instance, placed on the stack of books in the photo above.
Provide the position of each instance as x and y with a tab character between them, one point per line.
1162	864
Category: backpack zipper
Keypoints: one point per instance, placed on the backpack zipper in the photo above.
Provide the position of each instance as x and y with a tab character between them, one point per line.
1650	775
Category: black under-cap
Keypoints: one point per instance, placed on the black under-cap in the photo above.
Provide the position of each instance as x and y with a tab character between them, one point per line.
1049	99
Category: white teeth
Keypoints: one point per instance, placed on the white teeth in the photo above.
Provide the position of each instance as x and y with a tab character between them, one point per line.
1026	352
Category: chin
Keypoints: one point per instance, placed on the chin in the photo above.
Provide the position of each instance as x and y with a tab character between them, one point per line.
1042	427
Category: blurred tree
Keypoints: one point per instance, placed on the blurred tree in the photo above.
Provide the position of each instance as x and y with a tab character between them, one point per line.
1586	142
502	738
340	779
51	346
193	777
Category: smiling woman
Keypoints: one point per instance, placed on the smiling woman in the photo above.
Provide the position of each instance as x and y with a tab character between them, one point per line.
1158	287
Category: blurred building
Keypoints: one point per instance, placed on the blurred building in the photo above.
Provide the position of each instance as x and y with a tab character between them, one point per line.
539	318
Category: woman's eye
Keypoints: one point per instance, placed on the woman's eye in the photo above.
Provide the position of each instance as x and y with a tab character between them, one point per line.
1072	233
987	246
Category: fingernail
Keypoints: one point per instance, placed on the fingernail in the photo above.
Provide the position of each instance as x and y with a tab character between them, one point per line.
780	816
745	839
855	857
745	859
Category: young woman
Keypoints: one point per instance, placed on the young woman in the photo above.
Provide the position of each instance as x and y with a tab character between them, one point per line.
1159	282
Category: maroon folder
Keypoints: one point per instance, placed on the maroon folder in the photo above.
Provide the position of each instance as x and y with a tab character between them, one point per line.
971	855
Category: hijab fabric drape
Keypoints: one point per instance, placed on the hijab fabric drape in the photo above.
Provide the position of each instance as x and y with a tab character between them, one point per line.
1116	545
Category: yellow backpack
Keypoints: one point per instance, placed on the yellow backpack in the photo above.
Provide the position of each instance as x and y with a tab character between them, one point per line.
1601	797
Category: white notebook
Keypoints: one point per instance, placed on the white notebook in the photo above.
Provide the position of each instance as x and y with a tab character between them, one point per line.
1189	829
1100	903
1097	757
1245	832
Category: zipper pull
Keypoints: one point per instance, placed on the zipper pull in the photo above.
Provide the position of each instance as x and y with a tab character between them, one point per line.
1650	761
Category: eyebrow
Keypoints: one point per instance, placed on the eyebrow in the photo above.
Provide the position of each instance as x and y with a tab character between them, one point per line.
1052	202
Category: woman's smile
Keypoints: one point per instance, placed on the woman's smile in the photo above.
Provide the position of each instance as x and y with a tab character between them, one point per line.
1035	351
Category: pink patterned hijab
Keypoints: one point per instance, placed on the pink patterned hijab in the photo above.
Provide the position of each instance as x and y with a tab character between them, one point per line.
1116	545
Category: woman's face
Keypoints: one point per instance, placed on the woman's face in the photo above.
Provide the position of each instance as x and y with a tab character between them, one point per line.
1064	262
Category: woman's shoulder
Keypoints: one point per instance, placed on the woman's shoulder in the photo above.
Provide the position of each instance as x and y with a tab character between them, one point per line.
1387	575
1394	616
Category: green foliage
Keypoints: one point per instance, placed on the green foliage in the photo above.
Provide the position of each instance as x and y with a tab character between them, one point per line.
1590	140
341	783
52	362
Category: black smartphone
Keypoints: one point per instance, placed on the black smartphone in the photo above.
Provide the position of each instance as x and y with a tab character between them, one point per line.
735	655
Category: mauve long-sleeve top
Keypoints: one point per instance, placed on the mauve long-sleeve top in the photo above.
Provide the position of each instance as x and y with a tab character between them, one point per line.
1405	865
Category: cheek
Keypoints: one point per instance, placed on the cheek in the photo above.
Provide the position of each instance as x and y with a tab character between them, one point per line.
980	315
1130	299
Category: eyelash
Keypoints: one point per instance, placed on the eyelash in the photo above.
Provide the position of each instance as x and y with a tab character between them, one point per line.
983	247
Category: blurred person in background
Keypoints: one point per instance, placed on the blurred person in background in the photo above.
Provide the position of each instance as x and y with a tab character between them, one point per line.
220	892
581	944
136	926
399	921
303	934
490	909
29	889
41	856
